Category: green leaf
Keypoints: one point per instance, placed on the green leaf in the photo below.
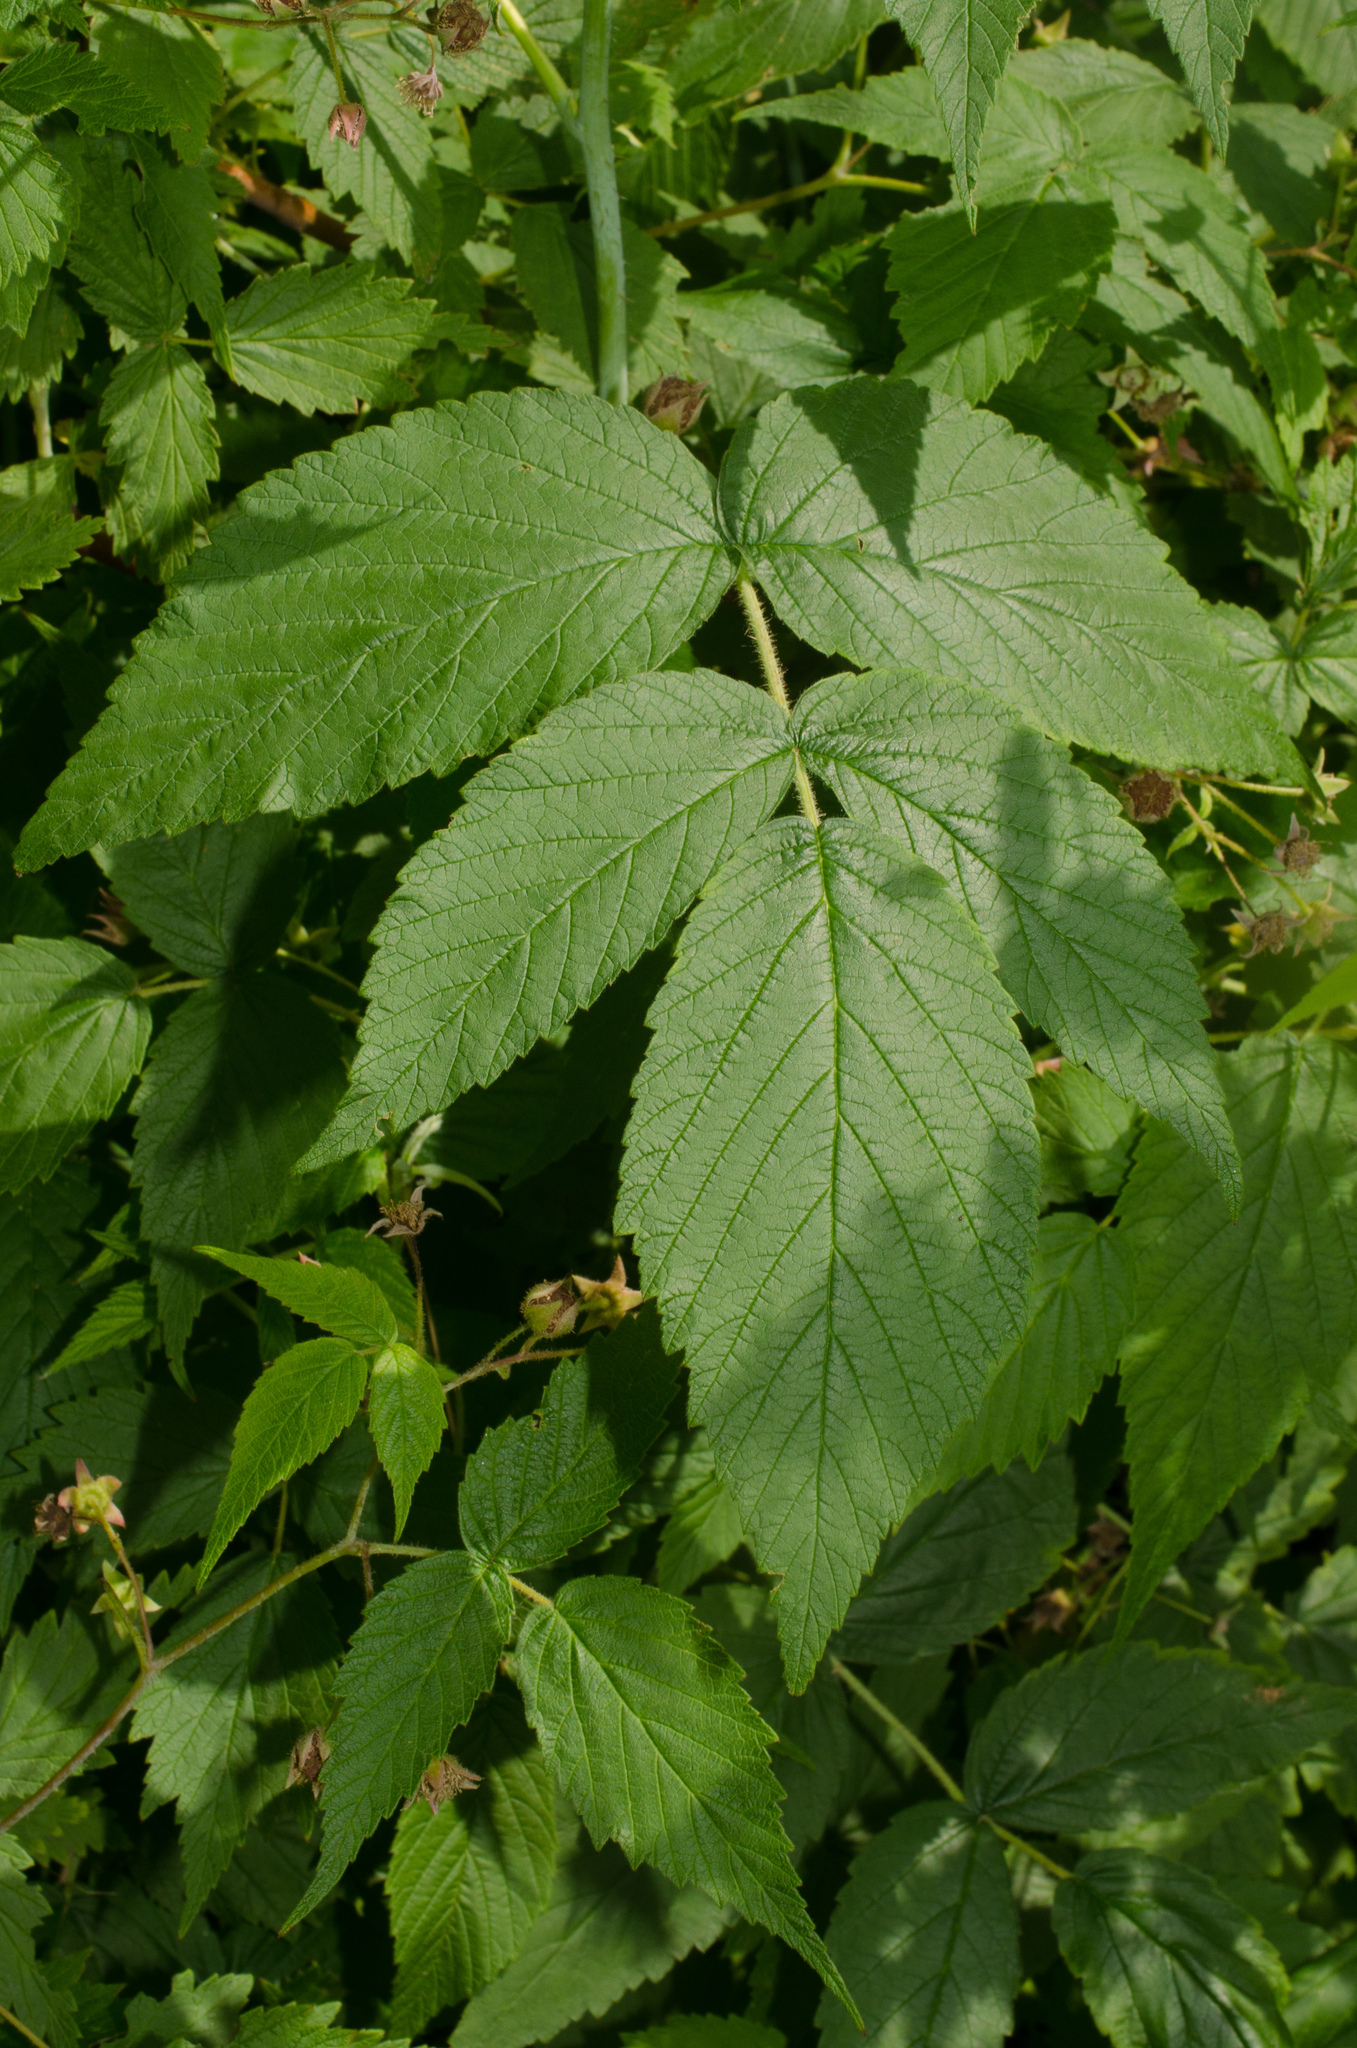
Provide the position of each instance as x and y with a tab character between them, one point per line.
643	1720
1117	99
161	437
975	302
295	1410
171	1453
960	1562
1089	941
51	337
405	1415
785	336
173	65
214	898
1323	2001
701	1532
1236	1323
38	541
1278	157
125	1314
426	1649
465	1884
63	75
336	1296
620	808
382	1261
300	2026
535	1488
732	48
239	1081
223	1717
207	2015
900	110
607	1929
926	1935
1081	1302
1330	992
72	1035
38	1252
1207	37
1303	29
964	46
178	209
37	199
22	1908
559	542
1197	232
57	1684
824	977
1127	1736
554	265
393	178
888	524
1165	1957
120	274
326	339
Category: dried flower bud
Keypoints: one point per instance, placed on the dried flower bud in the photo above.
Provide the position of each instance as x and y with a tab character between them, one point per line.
348	120
310	1754
1298	852
1154	411
52	1519
460	26
1051	1611
407	1218
550	1308
421	89
90	1500
444	1779
1148	797
603	1303
1268	933
1105	1539
673	403
110	922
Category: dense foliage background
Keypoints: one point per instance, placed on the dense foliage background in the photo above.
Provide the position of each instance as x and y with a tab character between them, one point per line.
1072	332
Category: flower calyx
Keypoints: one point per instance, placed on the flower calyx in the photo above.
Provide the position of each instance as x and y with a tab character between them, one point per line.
1268	933
310	1754
1149	796
673	403
349	120
550	1308
444	1780
460	27
421	90
109	924
407	1218
1298	852
604	1303
77	1508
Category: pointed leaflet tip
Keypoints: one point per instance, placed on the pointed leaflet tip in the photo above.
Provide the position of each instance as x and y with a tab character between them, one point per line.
964	46
1207	37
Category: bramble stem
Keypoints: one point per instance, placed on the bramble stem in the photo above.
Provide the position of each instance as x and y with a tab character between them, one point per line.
529	1592
551	78
42	417
148	1651
333	48
1037	1855
900	1728
826	183
762	635
605	211
11	2020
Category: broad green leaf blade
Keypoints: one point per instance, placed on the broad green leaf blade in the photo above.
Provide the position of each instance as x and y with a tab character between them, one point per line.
203	2014
569	858
178	209
50	339
1118	100
22	1908
38	539
405	1415
37	199
1310	34
900	110
161	438
223	1717
239	1081
1198	233
556	274
394	176
72	1035
63	75
964	46
125	1313
889	524
975	303
701	1532
784	336
1331	992
535	1488
425	1651
335	1295
1126	1736
1089	941
295	1411
642	1718
214	898
173	65
1081	1303
1236	1322
1164	1957
57	1684
830	1172
1207	37
324	340
1323	2001
926	1934
960	1562
607	1929
466	1884
40	1245
120	274
531	545
730	48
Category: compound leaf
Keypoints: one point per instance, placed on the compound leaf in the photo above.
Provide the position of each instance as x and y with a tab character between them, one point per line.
558	542
405	1415
642	1718
1207	37
57	1683
295	1410
162	441
570	857
37	199
173	65
832	1034
338	1296
323	340
425	1651
214	898
38	541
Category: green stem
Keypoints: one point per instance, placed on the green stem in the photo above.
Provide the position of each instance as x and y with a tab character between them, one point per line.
300	960
899	1728
551	78
762	635
1037	1855
825	183
333	48
167	988
605	212
11	2020
42	417
529	1592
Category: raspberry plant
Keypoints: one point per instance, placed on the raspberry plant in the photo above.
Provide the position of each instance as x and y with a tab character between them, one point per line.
678	1124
